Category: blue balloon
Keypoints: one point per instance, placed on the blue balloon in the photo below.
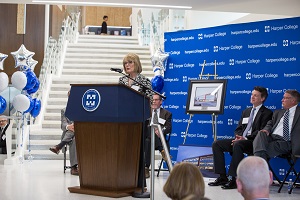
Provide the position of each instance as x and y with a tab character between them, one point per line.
2	104
35	87
157	83
30	105
31	80
36	108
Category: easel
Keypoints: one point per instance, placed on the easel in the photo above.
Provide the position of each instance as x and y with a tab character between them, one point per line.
213	116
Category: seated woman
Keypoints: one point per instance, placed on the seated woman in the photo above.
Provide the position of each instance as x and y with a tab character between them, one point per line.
185	183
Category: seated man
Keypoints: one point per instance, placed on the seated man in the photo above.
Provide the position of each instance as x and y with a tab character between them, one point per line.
165	120
3	126
252	120
281	135
67	138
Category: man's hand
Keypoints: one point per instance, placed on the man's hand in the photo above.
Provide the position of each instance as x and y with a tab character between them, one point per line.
70	127
237	138
265	131
156	132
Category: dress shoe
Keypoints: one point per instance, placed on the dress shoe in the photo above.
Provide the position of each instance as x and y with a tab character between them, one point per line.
147	172
55	149
230	185
74	171
218	181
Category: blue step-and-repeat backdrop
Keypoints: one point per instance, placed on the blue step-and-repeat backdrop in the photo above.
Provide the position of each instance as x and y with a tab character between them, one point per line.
265	53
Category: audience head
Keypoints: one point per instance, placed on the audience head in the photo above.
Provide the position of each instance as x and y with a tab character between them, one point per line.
3	121
290	99
185	182
132	64
105	17
253	178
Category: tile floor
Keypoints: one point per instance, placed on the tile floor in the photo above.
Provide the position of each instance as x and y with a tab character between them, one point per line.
45	180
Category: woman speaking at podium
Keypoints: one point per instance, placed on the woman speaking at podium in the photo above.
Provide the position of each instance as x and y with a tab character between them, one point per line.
132	67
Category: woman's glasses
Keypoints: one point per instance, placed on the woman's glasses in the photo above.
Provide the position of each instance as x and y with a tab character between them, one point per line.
128	62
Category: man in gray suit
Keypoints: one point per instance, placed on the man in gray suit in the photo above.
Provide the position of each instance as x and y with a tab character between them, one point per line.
254	178
281	135
67	138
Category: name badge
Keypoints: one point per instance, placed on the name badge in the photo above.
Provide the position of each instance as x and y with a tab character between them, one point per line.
161	121
245	120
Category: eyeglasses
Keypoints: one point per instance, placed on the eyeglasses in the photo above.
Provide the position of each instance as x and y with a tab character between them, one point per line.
2	121
128	62
155	99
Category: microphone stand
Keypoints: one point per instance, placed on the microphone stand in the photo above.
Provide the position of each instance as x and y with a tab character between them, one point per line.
142	194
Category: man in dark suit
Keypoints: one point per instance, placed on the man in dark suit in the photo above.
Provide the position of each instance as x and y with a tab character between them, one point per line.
252	120
162	117
254	184
3	126
281	135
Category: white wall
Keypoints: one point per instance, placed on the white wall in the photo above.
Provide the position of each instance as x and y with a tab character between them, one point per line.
204	19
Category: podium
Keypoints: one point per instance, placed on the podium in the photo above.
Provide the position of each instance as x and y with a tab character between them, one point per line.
108	121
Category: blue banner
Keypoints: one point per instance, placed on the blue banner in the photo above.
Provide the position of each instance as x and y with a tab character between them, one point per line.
265	53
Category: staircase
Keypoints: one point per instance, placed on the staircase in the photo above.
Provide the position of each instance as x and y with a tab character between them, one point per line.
88	61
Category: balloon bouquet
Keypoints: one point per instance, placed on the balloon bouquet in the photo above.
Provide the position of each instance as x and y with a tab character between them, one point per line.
3	83
159	63
26	81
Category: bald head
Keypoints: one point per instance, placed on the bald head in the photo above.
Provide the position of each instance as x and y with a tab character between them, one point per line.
253	177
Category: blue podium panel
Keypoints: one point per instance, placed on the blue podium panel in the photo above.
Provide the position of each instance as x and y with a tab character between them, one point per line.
106	103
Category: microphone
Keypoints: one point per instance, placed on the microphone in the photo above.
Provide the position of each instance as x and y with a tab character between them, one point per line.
116	70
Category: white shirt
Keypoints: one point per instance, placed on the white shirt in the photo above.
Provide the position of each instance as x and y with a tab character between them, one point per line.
279	128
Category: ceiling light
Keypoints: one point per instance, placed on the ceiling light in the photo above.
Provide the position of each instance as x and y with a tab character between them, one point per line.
110	4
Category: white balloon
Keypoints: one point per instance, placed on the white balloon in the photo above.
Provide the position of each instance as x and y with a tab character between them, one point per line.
21	102
3	81
19	80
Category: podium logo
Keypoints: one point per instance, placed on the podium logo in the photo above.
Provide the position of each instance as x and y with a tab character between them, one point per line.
230	121
184	78
91	100
285	43
171	66
231	61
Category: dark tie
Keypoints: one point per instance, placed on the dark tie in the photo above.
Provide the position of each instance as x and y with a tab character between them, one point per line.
286	134
250	121
155	117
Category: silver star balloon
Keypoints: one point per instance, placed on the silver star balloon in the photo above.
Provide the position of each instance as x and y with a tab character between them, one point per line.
22	56
31	65
2	58
159	59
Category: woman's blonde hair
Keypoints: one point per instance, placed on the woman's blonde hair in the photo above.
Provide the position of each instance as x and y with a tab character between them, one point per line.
135	59
185	179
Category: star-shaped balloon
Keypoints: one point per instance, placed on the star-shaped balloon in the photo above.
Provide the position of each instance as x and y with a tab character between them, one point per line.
22	56
2	58
159	59
31	65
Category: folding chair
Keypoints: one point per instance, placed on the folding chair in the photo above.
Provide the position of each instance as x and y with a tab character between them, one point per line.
168	136
64	150
291	161
297	176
